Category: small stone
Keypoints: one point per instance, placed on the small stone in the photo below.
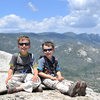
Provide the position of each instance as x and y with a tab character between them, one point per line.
17	96
21	97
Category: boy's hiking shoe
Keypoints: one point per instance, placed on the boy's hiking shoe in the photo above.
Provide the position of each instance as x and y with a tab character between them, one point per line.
3	91
82	90
73	89
39	89
12	90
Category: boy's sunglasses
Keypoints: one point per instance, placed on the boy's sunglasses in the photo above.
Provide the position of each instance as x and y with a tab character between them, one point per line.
26	44
45	50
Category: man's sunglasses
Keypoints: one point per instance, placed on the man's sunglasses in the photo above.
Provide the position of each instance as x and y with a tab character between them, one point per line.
45	50
26	44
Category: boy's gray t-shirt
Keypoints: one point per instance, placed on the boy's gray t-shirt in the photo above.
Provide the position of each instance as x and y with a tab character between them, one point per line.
21	63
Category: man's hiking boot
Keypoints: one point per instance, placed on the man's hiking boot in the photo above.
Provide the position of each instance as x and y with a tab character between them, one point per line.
12	90
82	90
73	89
3	91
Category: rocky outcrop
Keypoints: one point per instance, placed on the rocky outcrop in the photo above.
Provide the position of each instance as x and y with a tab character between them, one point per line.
45	95
49	95
4	61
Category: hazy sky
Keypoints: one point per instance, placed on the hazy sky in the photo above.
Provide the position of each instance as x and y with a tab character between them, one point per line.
61	16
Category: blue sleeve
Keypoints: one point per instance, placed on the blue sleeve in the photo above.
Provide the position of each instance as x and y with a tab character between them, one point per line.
41	64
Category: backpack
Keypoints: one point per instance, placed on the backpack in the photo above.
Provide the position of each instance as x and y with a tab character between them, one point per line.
27	66
49	67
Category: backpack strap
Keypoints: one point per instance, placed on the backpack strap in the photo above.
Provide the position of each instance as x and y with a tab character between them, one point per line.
33	58
16	56
42	56
47	61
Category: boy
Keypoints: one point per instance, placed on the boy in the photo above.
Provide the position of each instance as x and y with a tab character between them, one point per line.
49	71
20	75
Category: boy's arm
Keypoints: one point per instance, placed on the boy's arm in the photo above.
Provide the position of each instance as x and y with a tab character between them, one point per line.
10	71
40	67
42	74
59	76
35	71
35	76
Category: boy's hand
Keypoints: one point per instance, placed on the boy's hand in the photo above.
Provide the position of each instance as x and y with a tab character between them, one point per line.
8	78
53	78
35	78
60	78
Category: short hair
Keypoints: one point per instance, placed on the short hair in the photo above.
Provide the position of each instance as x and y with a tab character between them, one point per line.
23	38
48	43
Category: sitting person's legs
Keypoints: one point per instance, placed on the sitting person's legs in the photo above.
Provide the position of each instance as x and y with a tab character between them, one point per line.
28	84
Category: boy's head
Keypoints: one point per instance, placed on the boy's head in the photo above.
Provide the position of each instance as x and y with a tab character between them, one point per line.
48	48
22	38
23	44
49	44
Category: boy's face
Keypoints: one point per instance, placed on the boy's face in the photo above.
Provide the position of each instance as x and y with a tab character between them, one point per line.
24	46
48	51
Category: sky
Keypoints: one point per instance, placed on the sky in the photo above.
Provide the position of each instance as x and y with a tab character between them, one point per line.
78	16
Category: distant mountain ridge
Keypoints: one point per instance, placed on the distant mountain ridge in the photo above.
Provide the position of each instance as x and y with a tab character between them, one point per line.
78	54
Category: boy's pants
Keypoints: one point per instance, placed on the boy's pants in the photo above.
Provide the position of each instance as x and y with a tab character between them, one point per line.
62	86
24	81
